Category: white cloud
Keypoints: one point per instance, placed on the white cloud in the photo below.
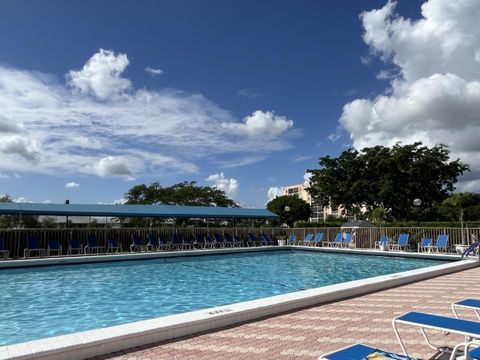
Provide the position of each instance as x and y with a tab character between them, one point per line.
4	176
21	199
261	123
334	137
46	201
101	75
306	179
273	192
75	127
229	186
435	97
152	71
71	185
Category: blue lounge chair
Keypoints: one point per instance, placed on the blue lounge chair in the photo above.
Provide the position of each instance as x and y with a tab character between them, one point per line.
424	244
220	240
164	242
347	241
93	245
177	242
292	239
318	239
382	243
153	242
267	240
440	245
253	240
209	241
470	304
5	253
468	329
113	246
232	240
402	243
33	245
338	240
199	240
361	352
137	244
54	246
237	240
187	242
308	240
74	245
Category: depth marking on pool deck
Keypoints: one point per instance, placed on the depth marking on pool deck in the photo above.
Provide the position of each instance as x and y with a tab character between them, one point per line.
106	340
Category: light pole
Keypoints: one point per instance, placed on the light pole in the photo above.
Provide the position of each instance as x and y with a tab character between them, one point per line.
417	203
287	209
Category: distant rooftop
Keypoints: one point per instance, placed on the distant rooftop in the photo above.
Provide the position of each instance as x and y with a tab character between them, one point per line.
164	211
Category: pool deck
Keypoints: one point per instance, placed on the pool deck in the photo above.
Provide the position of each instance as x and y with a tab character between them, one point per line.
311	332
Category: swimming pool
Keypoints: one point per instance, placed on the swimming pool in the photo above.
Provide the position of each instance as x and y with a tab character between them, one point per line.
49	301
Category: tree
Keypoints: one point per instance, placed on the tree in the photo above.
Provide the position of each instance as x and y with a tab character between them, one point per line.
461	206
298	209
386	177
11	221
185	193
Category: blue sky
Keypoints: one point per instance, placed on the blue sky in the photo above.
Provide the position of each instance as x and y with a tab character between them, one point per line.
97	97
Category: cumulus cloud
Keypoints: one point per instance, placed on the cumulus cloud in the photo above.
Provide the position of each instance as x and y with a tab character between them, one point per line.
434	93
229	186
101	75
261	123
152	71
71	185
273	192
98	123
21	199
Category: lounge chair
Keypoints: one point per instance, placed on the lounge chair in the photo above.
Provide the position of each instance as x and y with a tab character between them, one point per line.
347	241
402	243
382	243
93	245
232	240
164	242
187	242
74	245
33	245
292	240
54	246
440	245
338	239
220	240
253	240
4	252
318	239
308	239
113	246
360	352
199	240
470	304
424	244
138	245
467	328
266	240
209	241
237	240
153	242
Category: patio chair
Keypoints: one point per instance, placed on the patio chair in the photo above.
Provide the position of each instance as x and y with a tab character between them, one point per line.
209	241
237	241
292	239
187	242
267	240
232	240
93	245
382	243
5	253
440	245
199	240
424	244
253	240
469	329
137	244
318	239
33	245
220	240
307	241
347	241
54	246
470	304
113	246
360	352
74	245
153	242
164	242
338	239
402	243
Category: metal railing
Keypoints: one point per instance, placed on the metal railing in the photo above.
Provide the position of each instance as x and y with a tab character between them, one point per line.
15	240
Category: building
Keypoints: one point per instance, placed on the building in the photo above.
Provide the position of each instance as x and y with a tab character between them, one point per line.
319	213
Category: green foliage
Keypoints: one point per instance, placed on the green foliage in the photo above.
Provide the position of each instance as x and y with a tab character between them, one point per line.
49	222
461	206
386	177
185	193
298	209
378	215
11	221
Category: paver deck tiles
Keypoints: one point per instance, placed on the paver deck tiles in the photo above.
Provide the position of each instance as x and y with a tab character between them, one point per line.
308	333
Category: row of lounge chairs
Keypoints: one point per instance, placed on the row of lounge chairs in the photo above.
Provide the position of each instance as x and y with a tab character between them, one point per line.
424	321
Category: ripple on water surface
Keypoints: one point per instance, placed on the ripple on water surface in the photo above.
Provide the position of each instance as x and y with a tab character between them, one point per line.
50	301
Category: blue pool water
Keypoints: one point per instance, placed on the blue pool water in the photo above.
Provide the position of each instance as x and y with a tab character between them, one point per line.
48	301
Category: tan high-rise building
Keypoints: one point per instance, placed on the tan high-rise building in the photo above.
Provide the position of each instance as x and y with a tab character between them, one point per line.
319	213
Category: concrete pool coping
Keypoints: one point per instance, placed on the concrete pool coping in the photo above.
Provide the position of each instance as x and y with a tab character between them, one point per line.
110	339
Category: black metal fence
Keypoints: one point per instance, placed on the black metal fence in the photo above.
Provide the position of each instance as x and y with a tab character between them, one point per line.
15	240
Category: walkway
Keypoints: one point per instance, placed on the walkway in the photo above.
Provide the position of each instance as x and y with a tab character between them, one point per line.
308	333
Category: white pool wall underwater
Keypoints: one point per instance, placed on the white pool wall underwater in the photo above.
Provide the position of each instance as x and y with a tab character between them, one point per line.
91	343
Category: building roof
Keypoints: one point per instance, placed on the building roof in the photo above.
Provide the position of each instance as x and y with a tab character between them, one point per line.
166	211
